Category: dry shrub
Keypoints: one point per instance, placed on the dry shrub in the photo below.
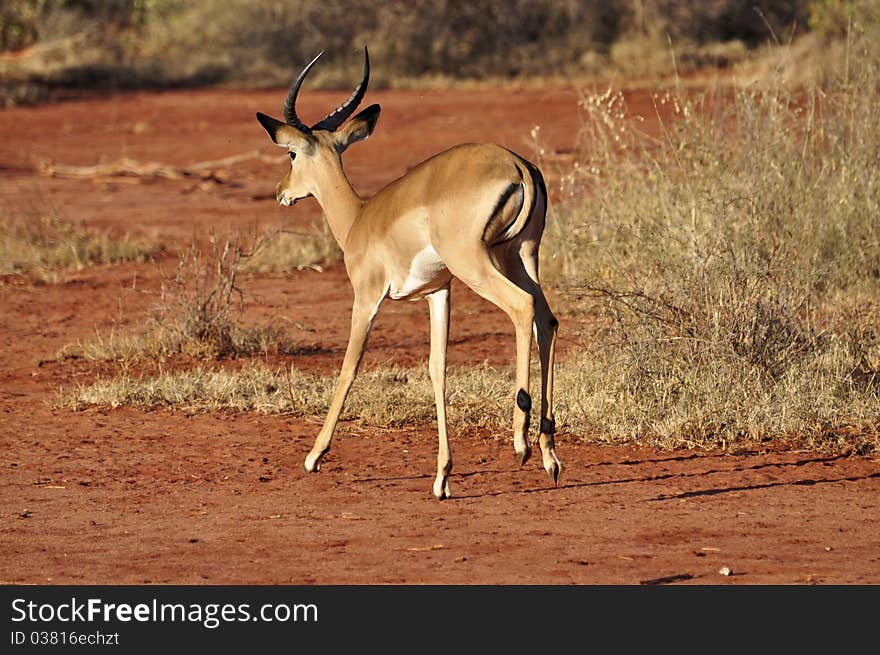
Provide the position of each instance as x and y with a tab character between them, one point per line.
200	298
198	315
201	305
708	21
734	262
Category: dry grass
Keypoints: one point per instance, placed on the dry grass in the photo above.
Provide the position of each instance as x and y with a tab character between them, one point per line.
284	250
198	315
45	245
259	388
589	403
478	396
734	262
201	306
161	341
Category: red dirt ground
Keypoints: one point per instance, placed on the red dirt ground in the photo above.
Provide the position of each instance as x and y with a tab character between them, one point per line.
131	496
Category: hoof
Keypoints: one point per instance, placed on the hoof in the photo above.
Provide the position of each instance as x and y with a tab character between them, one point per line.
441	489
312	464
548	455
552	465
524	456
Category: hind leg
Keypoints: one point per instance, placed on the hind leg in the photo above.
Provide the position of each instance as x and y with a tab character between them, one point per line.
521	266
546	328
478	272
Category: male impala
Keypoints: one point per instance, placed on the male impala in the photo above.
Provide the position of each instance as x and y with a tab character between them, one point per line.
474	212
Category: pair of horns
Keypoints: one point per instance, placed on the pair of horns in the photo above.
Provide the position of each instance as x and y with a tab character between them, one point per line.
336	117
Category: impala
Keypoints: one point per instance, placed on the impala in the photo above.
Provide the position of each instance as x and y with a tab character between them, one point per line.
474	212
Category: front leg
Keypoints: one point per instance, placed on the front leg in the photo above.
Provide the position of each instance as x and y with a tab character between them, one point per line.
439	309
362	315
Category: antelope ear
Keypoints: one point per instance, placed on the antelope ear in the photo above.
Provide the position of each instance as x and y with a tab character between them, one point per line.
282	133
358	128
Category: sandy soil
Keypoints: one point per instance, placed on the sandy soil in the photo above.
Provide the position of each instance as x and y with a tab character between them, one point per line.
130	496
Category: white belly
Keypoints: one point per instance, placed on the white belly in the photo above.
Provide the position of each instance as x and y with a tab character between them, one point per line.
424	269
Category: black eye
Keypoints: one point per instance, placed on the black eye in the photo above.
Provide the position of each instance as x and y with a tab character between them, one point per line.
292	156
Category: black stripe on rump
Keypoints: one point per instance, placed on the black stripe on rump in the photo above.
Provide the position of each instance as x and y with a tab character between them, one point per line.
491	225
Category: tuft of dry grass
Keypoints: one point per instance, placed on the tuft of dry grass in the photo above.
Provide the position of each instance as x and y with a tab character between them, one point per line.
160	341
286	250
47	244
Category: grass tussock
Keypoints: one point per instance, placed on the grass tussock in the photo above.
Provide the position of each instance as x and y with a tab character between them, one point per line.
286	250
733	262
160	341
46	245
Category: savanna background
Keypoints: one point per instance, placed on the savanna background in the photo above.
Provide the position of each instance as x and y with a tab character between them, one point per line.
712	251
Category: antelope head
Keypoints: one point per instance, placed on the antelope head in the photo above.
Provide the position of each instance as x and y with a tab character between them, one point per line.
315	151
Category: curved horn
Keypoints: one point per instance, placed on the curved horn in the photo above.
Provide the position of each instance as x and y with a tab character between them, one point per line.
339	115
290	101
